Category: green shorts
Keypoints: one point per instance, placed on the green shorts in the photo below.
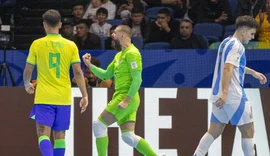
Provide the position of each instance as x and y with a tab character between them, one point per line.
123	115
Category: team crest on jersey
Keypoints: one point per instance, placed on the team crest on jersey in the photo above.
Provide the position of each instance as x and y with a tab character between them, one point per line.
133	65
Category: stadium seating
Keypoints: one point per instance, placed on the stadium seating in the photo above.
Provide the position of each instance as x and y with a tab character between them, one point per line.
208	29
138	42
157	45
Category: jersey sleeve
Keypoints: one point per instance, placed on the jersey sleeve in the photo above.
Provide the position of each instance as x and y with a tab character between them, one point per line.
234	55
104	74
134	61
75	58
32	58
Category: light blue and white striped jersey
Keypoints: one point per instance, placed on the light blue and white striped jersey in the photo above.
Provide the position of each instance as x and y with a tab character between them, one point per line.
232	51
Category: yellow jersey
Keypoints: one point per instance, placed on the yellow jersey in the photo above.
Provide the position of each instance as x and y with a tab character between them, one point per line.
53	55
264	34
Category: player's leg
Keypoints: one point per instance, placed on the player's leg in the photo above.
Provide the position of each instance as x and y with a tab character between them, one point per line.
247	132
44	117
134	140
59	147
100	127
219	118
45	145
209	137
243	118
60	125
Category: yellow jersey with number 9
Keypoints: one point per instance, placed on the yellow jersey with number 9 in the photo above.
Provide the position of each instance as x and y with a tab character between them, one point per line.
53	55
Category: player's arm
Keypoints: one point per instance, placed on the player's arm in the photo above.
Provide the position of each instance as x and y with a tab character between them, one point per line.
226	77
231	61
135	84
29	67
135	63
99	72
27	73
78	75
256	74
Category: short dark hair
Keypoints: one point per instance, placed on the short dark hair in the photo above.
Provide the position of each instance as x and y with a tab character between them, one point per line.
51	17
103	11
95	61
165	11
83	21
77	4
137	10
246	21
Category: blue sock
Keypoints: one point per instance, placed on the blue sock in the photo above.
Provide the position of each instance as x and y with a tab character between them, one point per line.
59	147
45	146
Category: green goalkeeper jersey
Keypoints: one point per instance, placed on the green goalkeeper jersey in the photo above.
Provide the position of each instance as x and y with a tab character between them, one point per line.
126	68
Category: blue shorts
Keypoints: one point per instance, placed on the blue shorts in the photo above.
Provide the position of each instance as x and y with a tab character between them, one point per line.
55	116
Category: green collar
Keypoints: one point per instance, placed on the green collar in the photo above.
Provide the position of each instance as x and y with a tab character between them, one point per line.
53	35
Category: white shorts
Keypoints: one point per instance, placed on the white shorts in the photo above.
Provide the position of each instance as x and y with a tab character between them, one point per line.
237	114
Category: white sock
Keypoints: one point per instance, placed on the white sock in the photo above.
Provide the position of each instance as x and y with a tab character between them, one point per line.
204	144
248	146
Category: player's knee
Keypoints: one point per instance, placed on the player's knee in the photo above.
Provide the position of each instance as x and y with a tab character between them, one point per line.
247	131
131	139
216	129
99	129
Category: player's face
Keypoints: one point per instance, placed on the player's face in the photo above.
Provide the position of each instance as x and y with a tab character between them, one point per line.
90	76
78	11
137	18
116	36
82	29
248	35
185	29
67	30
101	17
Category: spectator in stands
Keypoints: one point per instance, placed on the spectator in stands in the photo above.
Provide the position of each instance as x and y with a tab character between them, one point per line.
7	8
179	6
92	80
249	7
90	12
78	12
110	6
186	39
138	23
124	11
67	28
109	42
192	6
84	39
101	27
164	28
215	11
263	18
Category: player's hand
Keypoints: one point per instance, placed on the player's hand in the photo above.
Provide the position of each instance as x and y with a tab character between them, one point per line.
87	60
83	104
221	101
123	105
30	88
260	77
